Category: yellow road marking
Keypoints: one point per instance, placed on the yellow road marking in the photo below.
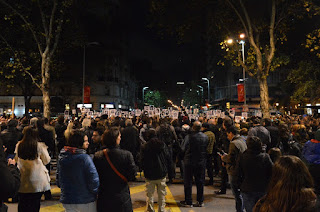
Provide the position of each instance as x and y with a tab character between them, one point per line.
137	189
55	208
56	191
172	204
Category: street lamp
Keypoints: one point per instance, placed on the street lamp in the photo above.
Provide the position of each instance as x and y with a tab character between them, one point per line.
144	88
242	42
84	66
201	89
208	81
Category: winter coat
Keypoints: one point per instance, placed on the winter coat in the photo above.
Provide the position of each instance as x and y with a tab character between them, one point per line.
253	171
9	178
154	159
34	175
114	193
194	148
77	177
274	134
10	138
237	146
262	133
311	151
130	140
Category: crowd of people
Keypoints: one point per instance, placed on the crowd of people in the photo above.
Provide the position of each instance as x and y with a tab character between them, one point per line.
270	164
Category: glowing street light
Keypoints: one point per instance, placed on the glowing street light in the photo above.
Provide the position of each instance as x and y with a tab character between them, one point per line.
242	35
230	41
144	88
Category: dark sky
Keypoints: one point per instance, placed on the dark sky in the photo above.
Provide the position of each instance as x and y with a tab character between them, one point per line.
168	60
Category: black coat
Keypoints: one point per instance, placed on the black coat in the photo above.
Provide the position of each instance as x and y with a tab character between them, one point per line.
274	134
9	178
194	149
10	138
114	193
130	140
154	159
253	171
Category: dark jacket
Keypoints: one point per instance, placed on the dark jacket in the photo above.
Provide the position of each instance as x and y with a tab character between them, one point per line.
194	149
10	138
154	159
274	134
262	133
77	177
46	136
237	146
61	140
114	193
253	171
130	140
9	178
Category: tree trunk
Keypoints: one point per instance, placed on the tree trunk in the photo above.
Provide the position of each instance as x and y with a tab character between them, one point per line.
264	97
45	66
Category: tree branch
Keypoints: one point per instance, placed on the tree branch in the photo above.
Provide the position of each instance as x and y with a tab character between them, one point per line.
239	16
34	80
271	34
26	22
52	20
244	65
43	21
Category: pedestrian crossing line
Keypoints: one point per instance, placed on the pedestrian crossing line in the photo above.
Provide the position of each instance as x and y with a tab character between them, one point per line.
137	189
172	205
55	208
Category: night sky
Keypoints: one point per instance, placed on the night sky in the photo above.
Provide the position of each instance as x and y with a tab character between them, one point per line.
168	61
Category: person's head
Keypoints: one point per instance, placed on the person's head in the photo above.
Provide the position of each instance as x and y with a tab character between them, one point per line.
78	139
227	123
244	131
28	147
128	123
111	138
12	123
33	122
86	123
196	127
149	134
290	187
61	119
231	132
97	135
267	122
256	121
317	135
254	144
40	123
274	153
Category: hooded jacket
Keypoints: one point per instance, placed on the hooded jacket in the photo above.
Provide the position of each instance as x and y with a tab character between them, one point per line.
154	159
77	177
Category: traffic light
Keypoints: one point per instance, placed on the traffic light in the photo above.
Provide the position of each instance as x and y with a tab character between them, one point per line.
228	105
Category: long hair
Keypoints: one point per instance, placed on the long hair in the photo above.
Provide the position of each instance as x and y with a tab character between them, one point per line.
290	188
109	137
28	146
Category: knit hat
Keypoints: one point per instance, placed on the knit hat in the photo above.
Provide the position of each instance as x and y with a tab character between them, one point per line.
317	135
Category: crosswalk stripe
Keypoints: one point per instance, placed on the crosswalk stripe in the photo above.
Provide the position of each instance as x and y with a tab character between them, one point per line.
55	208
172	203
137	189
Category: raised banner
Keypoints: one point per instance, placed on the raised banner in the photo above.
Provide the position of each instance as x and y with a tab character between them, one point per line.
86	97
240	92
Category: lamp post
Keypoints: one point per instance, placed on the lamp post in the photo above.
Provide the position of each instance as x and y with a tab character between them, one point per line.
243	70
144	88
208	81
201	89
84	66
242	42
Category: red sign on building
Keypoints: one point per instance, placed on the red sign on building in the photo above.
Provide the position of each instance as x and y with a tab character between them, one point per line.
240	93
86	97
